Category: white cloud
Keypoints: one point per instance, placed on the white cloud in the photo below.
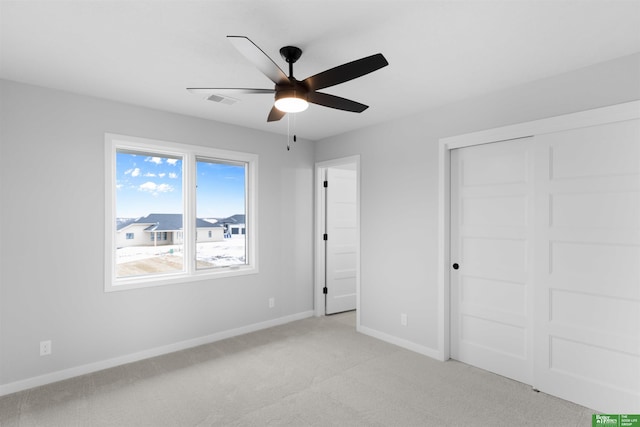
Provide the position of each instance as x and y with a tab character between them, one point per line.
156	160
135	172
162	175
173	175
172	162
155	189
148	186
150	174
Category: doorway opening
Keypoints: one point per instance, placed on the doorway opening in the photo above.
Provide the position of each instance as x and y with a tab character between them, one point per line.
337	237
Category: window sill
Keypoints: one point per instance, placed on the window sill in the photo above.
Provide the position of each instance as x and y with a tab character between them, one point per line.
177	278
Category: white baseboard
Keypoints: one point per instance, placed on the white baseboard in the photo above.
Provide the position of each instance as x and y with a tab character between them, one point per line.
146	354
426	351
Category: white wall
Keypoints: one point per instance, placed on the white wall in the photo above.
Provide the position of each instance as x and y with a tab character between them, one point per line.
140	237
202	234
51	281
399	178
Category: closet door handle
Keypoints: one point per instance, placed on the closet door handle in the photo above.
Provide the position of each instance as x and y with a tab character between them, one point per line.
455	266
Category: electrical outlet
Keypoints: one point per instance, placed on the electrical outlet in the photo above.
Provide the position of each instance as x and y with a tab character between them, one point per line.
272	302
45	348
403	319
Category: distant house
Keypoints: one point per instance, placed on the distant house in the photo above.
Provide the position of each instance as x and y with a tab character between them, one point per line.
164	229
234	226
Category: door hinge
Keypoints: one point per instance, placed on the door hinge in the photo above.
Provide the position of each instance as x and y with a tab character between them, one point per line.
325	236
325	290
325	184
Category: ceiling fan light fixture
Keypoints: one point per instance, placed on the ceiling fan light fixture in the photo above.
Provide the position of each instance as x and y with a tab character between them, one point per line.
293	95
290	101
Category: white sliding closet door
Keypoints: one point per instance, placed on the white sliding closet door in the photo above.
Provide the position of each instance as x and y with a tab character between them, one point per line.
491	231
546	231
587	275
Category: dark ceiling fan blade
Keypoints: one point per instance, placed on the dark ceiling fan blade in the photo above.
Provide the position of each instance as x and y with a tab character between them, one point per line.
261	60
345	72
228	90
275	114
336	102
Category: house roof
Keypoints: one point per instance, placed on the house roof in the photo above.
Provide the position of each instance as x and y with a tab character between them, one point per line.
234	219
165	222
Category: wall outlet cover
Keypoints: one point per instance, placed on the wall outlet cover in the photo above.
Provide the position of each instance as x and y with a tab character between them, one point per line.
45	348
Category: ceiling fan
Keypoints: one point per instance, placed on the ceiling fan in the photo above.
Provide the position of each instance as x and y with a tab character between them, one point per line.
292	95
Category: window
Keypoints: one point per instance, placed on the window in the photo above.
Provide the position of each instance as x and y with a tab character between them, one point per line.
182	197
221	187
155	237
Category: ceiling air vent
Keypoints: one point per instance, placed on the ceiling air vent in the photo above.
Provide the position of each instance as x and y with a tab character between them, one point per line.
222	99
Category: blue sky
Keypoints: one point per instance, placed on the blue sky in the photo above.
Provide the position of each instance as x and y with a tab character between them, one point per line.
220	191
148	184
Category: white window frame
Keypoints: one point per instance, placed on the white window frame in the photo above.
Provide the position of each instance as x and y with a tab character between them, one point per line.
188	153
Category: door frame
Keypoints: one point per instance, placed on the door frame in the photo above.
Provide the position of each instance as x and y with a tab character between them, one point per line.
597	116
319	263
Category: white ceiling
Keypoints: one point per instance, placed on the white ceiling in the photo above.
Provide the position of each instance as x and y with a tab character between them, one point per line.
147	52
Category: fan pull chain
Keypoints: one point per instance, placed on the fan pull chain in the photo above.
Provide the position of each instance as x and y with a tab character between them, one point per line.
288	132
294	127
295	138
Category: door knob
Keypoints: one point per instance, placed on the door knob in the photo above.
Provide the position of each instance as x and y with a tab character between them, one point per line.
455	266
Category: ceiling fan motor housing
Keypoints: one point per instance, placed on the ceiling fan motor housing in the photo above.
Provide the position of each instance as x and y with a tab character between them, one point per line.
291	98
294	89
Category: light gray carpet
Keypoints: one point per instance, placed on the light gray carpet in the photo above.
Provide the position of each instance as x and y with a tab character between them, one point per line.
314	372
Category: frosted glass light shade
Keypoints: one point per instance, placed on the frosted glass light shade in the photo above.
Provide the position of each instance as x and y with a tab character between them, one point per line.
291	104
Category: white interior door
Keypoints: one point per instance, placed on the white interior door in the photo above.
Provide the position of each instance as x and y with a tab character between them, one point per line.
546	231
341	243
587	330
491	192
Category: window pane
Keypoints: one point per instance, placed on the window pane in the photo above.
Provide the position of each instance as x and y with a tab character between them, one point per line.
220	206
148	214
